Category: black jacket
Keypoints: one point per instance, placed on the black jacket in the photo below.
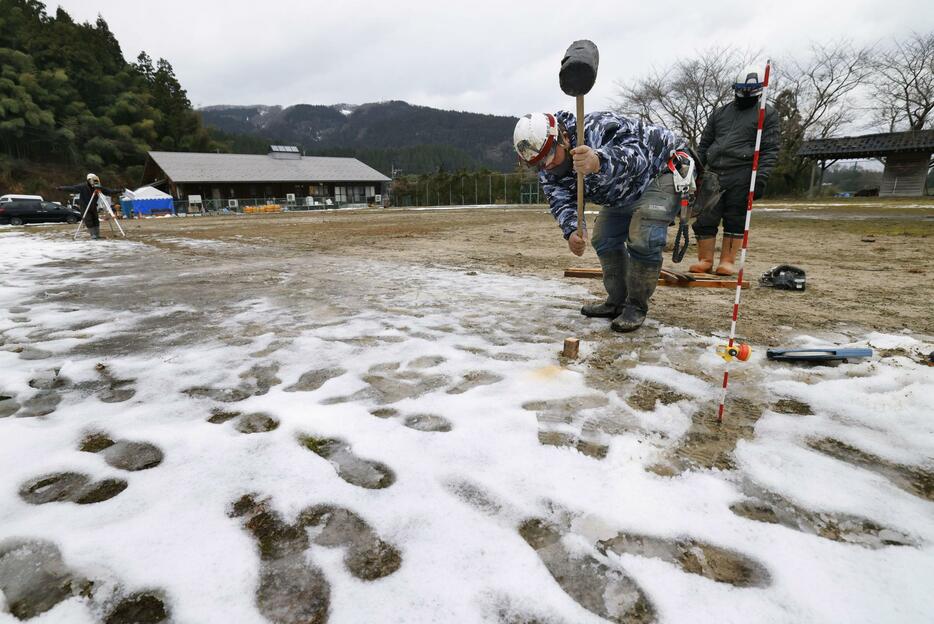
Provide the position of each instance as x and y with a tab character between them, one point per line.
85	192
729	141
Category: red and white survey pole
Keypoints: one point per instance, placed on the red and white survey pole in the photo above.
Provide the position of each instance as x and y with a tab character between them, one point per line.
742	255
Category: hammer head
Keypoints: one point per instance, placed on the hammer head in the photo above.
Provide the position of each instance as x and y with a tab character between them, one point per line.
579	68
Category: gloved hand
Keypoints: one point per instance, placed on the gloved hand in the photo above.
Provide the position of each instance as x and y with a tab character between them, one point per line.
585	160
759	190
576	243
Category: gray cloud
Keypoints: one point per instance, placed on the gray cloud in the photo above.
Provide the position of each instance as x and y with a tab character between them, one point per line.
488	57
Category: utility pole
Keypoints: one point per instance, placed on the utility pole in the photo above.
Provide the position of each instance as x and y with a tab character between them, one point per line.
505	191
476	195
491	189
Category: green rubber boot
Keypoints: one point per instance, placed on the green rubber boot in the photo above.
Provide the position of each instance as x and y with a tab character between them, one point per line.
641	280
614	265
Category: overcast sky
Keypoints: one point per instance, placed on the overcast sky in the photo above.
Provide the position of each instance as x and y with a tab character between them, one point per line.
489	57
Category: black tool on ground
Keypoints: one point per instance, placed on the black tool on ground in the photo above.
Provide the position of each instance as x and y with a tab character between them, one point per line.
784	277
817	355
576	77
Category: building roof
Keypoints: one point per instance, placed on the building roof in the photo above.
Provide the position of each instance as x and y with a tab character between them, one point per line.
198	167
869	145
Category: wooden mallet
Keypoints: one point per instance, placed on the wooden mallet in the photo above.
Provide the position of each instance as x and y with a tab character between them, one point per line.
577	76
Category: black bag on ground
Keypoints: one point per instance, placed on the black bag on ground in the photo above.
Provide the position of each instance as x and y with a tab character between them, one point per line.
784	277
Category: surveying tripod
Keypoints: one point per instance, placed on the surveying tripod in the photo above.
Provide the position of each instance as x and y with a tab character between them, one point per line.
113	218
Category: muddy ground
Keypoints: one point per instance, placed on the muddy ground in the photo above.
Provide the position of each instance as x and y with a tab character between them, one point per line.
868	264
869	269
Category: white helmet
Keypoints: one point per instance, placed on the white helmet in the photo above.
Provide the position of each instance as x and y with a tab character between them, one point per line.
93	180
536	135
749	82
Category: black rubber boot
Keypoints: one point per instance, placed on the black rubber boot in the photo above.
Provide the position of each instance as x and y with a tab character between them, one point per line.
95	232
641	281
614	265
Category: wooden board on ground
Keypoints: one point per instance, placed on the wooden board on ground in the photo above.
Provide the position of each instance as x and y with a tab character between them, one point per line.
670	278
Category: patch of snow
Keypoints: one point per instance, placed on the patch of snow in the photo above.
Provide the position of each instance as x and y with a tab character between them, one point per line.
170	528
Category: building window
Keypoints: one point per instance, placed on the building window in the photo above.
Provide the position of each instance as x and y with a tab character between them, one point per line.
340	194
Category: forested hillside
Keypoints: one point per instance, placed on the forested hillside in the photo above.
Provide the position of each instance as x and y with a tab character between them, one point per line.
415	139
70	103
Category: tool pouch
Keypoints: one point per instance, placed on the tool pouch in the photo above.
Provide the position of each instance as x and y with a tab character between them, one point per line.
708	193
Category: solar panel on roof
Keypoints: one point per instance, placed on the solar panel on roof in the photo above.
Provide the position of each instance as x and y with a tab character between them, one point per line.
284	149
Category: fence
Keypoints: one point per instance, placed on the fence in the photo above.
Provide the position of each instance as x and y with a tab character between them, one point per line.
259	205
466	190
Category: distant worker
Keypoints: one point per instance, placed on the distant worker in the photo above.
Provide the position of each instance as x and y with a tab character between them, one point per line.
726	149
626	165
86	191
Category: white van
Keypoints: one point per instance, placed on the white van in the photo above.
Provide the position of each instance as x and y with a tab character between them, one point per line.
9	198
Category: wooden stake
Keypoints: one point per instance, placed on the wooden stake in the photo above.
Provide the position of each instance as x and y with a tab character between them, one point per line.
571	348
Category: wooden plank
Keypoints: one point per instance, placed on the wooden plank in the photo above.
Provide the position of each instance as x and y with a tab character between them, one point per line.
668	278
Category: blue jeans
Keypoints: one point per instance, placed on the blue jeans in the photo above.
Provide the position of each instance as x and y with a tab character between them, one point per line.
642	226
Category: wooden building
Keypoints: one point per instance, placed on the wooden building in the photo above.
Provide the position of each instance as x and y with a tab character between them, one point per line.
277	175
906	156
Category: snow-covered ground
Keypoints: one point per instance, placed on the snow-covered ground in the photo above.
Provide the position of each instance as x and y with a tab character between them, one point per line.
427	411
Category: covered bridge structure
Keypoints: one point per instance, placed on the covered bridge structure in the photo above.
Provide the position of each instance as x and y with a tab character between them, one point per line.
283	173
906	156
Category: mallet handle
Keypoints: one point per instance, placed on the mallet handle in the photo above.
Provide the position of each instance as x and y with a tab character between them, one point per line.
581	225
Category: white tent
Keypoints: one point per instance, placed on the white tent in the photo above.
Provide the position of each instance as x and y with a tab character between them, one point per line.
146	192
147	200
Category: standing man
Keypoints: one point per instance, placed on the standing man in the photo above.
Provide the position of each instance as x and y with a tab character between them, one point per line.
625	163
91	188
726	148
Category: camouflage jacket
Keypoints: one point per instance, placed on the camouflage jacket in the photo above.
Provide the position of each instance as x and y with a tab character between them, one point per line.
631	154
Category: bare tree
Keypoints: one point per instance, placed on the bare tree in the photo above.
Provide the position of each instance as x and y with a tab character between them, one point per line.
903	84
823	86
683	97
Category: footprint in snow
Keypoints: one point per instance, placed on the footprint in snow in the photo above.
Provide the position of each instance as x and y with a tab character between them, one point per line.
34	578
431	423
255	381
915	480
565	423
123	454
70	487
586	575
314	379
79	488
51	385
764	506
292	590
694	557
365	473
389	382
255	422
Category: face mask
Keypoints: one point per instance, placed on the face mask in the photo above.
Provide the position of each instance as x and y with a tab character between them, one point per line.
745	101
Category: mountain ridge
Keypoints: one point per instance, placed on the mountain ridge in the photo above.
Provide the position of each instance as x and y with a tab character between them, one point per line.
387	135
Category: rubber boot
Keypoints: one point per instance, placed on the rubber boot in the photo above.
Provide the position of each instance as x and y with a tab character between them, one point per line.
641	281
728	249
95	232
614	265
705	249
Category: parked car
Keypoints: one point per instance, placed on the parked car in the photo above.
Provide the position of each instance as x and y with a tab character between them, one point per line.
12	196
20	211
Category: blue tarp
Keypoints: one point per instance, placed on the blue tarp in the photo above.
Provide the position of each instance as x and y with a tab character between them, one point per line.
163	205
